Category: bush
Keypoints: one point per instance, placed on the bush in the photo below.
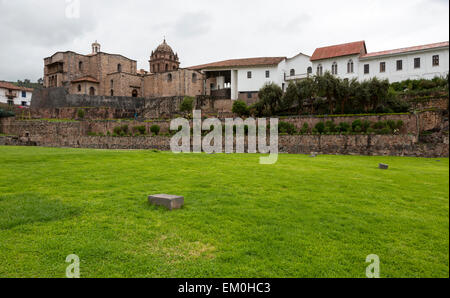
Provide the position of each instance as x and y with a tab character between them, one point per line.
386	131
305	128
285	127
365	125
140	130
187	105
81	114
330	127
121	130
155	129
240	108
320	127
344	127
355	124
4	114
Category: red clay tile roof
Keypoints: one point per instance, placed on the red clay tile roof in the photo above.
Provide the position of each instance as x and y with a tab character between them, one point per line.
10	86
345	49
86	79
405	50
241	62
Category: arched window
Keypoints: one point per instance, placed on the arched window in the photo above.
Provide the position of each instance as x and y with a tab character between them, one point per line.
334	68
80	66
169	77
319	70
292	72
112	92
112	84
92	91
167	67
174	67
134	93
309	71
157	68
79	88
194	78
119	68
350	66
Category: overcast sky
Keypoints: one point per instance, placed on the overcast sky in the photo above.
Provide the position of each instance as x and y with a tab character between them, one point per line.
203	31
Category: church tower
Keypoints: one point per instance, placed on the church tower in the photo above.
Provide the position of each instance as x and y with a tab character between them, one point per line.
163	59
95	48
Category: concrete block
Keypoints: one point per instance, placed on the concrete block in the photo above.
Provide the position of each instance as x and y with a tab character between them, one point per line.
171	202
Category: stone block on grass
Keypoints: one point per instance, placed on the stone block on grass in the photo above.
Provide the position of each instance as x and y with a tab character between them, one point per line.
383	166
171	202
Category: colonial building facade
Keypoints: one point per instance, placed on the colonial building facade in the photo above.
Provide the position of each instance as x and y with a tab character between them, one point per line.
13	95
244	77
351	60
107	74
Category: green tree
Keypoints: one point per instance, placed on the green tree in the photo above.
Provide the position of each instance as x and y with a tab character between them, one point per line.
187	106
240	108
270	98
291	96
326	87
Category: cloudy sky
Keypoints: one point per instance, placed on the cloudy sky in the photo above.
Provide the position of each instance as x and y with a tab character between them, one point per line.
203	31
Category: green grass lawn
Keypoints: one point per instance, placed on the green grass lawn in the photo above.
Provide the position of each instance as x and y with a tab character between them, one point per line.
303	217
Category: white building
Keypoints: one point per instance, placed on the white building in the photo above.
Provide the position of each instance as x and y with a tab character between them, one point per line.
351	60
13	95
242	78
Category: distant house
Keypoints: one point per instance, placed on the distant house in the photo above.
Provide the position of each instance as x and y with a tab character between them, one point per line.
14	95
351	60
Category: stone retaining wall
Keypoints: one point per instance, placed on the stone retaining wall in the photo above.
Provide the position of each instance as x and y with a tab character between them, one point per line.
413	124
327	144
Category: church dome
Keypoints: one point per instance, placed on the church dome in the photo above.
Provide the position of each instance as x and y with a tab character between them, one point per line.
164	47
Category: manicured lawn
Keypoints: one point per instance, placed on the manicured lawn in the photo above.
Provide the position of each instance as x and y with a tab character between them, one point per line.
303	217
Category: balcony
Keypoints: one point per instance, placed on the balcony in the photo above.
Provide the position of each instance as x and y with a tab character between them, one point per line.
11	94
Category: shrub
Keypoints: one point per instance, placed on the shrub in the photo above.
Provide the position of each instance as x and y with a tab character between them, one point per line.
187	105
391	124
240	108
399	124
305	128
4	114
330	127
355	124
81	113
285	127
386	131
365	125
140	129
320	127
155	129
117	130
344	127
121	130
92	134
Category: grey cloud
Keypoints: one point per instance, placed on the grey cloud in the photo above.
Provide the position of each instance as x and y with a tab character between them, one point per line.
192	25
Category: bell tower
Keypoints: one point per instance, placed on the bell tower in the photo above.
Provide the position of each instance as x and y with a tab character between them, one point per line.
95	48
